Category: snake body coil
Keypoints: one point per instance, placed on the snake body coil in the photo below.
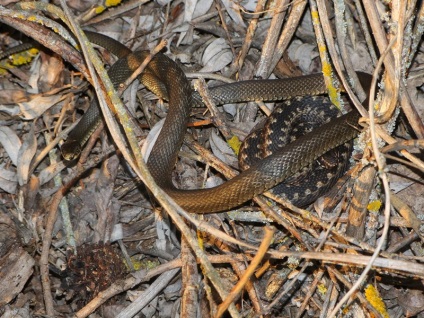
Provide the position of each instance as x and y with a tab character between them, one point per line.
295	118
164	74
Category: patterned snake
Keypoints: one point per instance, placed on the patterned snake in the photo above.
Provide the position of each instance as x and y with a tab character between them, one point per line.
165	78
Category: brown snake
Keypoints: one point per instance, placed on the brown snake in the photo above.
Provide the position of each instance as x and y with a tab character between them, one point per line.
164	75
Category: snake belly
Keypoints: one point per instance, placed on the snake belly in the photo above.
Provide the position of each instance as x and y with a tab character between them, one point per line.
164	77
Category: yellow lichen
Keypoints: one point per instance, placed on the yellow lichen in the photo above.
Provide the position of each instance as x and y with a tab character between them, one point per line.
235	143
3	70
25	57
374	206
200	240
111	3
100	9
374	298
143	264
322	288
315	16
326	67
18	59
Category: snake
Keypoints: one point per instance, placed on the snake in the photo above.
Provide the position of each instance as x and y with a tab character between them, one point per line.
164	77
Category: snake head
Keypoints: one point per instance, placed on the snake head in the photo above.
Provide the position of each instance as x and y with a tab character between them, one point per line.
71	149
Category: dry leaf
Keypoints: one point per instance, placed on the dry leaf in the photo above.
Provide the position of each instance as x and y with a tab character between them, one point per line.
222	150
233	10
10	142
216	56
26	154
38	105
8	180
151	139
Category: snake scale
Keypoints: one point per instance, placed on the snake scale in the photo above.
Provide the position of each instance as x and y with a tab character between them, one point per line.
163	76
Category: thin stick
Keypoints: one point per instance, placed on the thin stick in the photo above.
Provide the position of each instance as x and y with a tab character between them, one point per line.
266	241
